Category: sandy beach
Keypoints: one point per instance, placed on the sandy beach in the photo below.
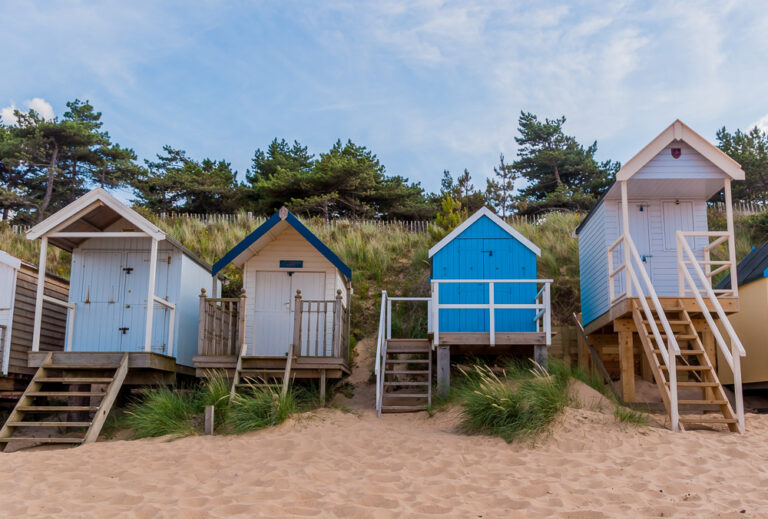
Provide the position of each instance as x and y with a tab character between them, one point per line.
334	463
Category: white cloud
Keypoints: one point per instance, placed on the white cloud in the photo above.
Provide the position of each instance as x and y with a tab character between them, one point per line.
38	104
762	123
41	106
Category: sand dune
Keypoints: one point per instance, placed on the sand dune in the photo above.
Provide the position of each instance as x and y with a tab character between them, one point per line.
335	464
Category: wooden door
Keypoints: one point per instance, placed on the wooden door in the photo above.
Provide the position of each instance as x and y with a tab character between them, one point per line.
271	323
135	271
639	230
98	310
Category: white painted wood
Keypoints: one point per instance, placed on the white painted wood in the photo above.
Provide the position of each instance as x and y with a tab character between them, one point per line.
491	314
315	325
9	268
40	291
625	230
150	296
97	234
495	219
731	237
271	328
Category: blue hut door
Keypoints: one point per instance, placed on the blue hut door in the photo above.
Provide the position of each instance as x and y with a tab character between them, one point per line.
638	229
98	313
136	276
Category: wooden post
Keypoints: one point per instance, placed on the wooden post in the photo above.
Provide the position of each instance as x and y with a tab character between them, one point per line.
582	353
625	231
627	366
491	315
151	296
337	324
708	342
241	326
443	371
297	309
202	315
322	387
540	355
40	293
209	411
436	310
731	237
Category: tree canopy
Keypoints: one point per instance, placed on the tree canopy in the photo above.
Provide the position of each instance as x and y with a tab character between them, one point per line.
750	149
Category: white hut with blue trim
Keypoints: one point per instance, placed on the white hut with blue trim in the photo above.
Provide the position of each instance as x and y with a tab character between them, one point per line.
296	294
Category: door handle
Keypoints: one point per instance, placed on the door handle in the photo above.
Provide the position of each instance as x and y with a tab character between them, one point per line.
645	257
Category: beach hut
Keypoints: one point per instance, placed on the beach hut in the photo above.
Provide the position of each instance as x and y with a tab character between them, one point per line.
751	321
293	314
647	259
132	313
18	282
485	298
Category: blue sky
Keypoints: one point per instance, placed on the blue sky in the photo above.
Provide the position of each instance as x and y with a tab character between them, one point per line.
427	85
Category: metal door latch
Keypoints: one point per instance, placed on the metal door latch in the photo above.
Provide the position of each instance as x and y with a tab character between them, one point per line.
124	330
127	270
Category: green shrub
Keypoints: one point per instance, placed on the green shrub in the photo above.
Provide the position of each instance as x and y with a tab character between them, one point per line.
514	406
215	391
163	411
260	407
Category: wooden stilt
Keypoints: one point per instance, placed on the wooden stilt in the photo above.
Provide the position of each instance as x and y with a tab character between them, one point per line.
443	371
322	387
627	366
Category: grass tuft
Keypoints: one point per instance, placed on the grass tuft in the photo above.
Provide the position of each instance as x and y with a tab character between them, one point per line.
519	404
162	411
215	391
630	416
259	407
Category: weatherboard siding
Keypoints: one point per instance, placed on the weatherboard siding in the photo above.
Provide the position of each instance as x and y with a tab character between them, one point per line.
691	164
593	266
485	251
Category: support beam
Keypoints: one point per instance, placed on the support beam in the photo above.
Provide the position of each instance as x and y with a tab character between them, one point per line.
731	236
627	366
625	231
443	371
322	387
540	356
150	296
40	293
708	342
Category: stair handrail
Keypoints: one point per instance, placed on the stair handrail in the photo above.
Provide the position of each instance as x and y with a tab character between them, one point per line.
381	352
737	349
672	349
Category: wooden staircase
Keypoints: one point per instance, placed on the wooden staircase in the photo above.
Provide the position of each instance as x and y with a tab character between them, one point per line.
694	369
55	391
407	383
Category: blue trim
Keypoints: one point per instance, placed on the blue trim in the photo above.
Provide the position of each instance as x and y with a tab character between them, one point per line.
294	222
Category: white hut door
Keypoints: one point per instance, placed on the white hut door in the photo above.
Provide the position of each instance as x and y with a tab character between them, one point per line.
271	328
316	324
638	229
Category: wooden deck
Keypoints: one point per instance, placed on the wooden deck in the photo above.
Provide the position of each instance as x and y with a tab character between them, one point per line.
623	310
484	338
303	367
143	367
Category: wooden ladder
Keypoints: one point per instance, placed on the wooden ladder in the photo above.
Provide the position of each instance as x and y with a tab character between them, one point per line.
247	377
59	382
694	362
407	384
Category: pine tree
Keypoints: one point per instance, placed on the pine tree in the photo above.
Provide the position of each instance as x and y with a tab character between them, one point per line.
499	191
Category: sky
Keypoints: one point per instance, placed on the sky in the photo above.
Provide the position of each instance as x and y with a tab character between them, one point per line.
428	85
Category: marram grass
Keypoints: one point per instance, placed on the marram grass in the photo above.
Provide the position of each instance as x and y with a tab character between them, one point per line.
162	411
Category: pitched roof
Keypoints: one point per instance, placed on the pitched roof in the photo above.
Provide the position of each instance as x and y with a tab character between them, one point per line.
259	238
752	267
679	131
495	219
98	209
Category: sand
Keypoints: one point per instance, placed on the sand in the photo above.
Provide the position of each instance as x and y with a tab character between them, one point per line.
332	463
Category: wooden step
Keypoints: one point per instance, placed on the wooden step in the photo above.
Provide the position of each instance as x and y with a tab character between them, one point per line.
685	352
672	322
407	361
406	383
702	402
685	367
407	372
696	384
42	440
679	337
75	380
102	367
405	395
65	393
56	408
403	351
403	408
49	424
707	419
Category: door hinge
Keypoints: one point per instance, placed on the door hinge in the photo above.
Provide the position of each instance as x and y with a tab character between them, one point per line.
127	270
124	330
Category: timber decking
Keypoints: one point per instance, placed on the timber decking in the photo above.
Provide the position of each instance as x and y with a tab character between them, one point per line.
61	381
142	365
407	384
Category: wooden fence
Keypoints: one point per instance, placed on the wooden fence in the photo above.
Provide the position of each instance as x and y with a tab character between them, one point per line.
564	344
